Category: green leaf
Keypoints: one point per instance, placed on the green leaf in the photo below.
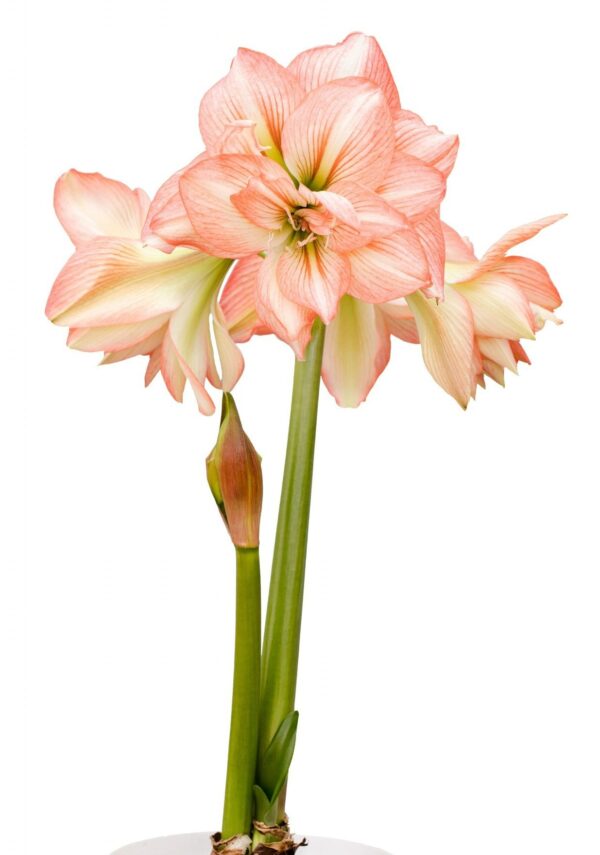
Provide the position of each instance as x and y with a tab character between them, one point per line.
275	763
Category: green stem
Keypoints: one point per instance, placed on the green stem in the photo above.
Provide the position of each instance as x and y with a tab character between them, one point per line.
284	611
243	736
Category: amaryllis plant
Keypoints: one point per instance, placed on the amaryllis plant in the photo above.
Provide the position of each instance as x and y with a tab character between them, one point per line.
312	214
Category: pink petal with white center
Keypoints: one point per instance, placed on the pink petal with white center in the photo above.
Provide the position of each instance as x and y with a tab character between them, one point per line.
268	205
376	218
172	372
412	187
426	142
515	236
500	309
116	281
341	131
499	351
89	205
206	189
429	232
286	319
357	56
399	320
446	335
532	278
313	276
357	349
143	348
458	249
257	89
116	337
167	217
238	300
389	268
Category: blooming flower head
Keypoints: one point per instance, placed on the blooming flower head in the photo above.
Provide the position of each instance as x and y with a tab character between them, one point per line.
123	297
489	306
317	181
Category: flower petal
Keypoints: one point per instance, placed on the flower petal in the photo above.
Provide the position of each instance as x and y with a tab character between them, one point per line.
357	56
389	268
500	309
499	351
144	347
116	281
168	218
313	276
206	190
412	187
289	321
342	130
458	249
257	89
115	337
89	205
522	233
268	205
171	370
357	349
376	218
429	231
238	300
446	334
399	320
426	142
532	278
189	332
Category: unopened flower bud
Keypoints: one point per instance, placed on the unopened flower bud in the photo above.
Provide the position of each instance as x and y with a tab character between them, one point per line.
233	469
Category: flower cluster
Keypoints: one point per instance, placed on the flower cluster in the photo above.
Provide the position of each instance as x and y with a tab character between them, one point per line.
318	196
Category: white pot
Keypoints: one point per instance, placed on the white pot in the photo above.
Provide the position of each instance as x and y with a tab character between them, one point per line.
199	844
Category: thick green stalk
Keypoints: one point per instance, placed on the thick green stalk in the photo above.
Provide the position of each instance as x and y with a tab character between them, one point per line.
279	668
243	737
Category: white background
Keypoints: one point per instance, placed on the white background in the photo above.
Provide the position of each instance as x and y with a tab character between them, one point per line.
449	691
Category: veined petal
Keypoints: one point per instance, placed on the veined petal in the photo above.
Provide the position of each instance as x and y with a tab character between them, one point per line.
313	276
532	278
515	236
399	320
446	334
117	281
89	205
231	361
389	268
458	249
429	231
357	349
412	187
500	309
257	89
376	218
498	350
115	337
289	321
153	366
268	205
357	56
335	204
168	218
342	130
426	142
189	332
238	300
171	370
145	347
206	190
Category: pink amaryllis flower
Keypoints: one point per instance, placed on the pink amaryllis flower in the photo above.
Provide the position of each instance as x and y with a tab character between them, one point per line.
489	306
121	296
326	191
